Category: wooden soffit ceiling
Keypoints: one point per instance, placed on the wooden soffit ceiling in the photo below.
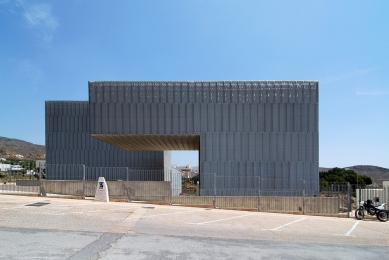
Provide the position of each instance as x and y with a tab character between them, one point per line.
152	142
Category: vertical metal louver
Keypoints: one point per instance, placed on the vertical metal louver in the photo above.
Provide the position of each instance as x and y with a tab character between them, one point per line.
246	128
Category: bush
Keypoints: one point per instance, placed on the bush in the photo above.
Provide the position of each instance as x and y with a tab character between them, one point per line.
3	175
337	175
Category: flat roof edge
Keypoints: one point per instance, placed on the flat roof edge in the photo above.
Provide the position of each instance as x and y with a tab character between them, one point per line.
199	81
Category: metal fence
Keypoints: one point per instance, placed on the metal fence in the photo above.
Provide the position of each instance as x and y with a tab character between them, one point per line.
377	195
333	199
164	186
15	182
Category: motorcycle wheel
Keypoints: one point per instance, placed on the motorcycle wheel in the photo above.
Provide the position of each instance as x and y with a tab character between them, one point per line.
382	216
359	214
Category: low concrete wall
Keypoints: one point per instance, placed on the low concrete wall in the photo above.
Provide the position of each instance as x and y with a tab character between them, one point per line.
62	187
13	188
160	191
193	200
237	202
27	183
76	188
321	205
137	190
150	190
284	204
308	205
116	189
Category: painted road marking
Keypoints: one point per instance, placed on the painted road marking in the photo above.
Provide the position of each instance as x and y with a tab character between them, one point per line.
17	207
212	221
166	214
287	224
350	231
76	212
68	213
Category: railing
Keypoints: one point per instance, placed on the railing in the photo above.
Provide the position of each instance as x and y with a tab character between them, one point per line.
377	195
13	182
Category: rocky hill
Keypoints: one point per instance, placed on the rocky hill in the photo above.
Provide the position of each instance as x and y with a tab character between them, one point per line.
18	149
377	174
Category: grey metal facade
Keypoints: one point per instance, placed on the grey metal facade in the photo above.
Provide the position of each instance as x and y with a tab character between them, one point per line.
68	141
242	129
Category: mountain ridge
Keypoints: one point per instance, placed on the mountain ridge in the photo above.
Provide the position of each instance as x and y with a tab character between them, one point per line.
11	148
376	173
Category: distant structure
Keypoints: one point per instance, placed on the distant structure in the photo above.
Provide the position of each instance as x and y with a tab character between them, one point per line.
242	129
5	167
187	172
40	164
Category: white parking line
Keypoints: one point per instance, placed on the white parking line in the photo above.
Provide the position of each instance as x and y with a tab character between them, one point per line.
167	214
69	213
201	223
287	224
17	207
350	231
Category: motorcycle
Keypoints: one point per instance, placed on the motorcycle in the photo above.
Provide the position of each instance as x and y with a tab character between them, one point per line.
378	211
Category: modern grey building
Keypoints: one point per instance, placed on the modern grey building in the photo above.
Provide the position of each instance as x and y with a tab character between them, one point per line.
242	129
69	142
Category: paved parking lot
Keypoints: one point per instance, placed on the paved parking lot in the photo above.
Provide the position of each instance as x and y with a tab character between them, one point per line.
52	228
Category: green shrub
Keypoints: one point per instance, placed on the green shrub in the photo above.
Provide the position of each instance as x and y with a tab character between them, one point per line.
3	174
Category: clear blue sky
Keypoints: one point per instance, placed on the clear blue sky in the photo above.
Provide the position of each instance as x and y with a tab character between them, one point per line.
49	50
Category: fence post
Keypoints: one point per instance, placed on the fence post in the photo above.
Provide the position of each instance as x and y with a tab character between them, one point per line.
171	186
127	186
349	199
83	181
214	191
42	191
337	188
259	193
40	182
303	196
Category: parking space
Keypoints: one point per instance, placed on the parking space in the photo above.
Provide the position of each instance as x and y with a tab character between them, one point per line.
120	217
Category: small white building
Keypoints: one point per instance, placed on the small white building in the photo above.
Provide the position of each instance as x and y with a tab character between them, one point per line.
174	176
16	168
40	164
5	167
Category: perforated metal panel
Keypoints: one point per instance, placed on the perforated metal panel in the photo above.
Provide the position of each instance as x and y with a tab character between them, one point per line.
270	125
68	141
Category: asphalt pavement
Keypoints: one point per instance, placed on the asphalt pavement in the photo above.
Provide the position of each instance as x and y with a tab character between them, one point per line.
53	228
